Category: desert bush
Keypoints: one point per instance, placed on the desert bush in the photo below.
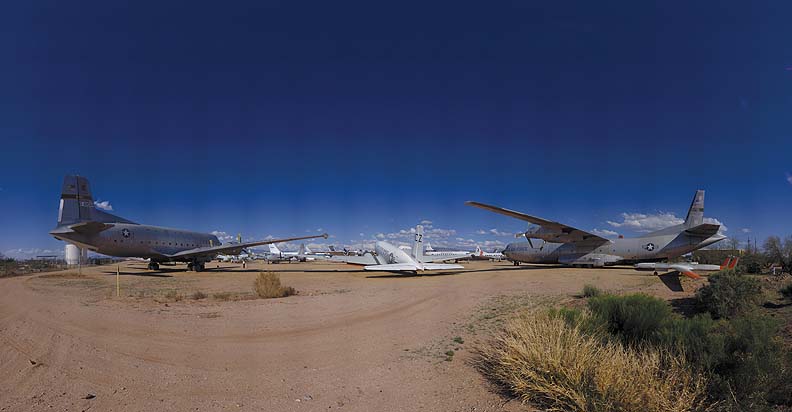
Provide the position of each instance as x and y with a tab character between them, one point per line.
173	295
554	364
751	366
729	294
786	291
197	295
634	318
267	285
751	263
591	291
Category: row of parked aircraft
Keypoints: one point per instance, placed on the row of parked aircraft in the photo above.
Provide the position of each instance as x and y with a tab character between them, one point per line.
80	223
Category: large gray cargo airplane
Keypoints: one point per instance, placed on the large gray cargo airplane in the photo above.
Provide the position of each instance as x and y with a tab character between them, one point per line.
553	242
81	223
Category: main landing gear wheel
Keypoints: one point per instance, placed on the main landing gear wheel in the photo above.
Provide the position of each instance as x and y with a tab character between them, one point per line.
153	266
516	263
196	266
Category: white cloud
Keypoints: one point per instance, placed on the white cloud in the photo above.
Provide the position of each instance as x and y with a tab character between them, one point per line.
605	232
223	236
380	236
320	230
745	230
31	253
640	222
789	178
104	205
426	222
712	220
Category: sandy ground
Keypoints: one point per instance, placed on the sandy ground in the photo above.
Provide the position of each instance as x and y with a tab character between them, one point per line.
350	341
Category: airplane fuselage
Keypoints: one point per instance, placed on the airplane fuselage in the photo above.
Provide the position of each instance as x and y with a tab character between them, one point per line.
144	241
614	252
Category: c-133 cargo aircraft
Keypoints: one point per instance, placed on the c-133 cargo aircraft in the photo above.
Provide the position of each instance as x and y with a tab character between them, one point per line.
81	223
553	242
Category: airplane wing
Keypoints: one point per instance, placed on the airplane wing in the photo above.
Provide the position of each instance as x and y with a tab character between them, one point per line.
440	266
394	267
366	259
234	248
429	259
552	231
686	270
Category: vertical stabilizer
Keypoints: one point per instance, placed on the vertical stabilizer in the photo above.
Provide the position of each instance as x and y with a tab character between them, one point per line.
695	214
418	245
302	250
274	249
478	251
306	250
76	201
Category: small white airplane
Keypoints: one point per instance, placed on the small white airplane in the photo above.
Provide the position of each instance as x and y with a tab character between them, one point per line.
482	255
390	258
454	255
688	268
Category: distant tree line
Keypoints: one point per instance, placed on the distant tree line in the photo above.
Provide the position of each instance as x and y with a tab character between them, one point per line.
774	252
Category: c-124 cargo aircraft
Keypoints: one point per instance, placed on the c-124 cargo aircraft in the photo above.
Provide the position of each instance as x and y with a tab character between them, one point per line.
560	243
80	223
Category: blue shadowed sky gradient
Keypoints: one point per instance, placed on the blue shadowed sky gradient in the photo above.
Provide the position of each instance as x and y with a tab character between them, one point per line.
363	119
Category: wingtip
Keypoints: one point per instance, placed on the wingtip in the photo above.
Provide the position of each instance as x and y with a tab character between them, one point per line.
325	235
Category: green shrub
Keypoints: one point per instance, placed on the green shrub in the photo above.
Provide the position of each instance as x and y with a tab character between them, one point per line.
633	318
787	291
590	291
729	294
751	365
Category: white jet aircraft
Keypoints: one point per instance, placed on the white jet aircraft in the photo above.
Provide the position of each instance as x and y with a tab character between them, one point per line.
390	258
482	255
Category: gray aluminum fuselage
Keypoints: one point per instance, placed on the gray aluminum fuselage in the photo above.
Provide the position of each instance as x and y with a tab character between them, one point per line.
144	241
616	251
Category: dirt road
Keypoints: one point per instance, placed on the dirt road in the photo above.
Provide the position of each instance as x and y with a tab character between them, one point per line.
350	341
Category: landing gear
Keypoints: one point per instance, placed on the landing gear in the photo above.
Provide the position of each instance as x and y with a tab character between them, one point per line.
516	263
196	266
153	266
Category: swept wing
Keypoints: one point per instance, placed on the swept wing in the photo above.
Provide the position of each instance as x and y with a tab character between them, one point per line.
234	248
550	231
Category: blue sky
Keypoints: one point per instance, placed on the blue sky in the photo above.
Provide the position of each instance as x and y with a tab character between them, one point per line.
282	118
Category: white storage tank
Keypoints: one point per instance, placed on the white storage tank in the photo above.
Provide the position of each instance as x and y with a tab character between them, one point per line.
74	255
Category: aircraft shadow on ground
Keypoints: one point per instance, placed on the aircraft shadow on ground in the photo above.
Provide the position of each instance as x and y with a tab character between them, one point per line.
158	274
412	275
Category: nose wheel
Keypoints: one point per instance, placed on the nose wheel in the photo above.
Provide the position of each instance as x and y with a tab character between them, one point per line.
153	266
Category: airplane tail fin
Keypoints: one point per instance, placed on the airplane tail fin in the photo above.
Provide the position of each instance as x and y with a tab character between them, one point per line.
418	245
274	249
478	250
695	215
734	262
726	263
302	249
306	250
77	204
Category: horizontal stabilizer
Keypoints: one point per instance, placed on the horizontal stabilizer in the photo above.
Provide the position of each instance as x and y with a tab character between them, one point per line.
90	227
703	230
395	267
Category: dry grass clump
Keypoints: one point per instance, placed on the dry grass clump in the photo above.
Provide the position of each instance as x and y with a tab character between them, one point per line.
268	285
551	362
173	295
198	295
